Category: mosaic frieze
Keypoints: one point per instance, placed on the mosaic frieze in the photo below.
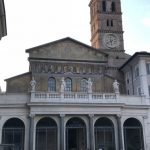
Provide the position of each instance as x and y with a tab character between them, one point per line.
66	68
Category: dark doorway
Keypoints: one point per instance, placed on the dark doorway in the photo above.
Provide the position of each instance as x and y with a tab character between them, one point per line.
75	134
133	135
104	134
46	134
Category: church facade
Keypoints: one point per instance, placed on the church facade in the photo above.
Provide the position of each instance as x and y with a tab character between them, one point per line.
80	97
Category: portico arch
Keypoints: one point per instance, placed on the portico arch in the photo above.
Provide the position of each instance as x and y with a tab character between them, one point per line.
104	134
13	134
46	134
133	134
76	134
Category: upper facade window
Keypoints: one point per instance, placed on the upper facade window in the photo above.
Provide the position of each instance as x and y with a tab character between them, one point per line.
83	85
68	82
148	68
52	85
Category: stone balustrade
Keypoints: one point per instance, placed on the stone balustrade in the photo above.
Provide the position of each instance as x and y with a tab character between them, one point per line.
73	97
77	97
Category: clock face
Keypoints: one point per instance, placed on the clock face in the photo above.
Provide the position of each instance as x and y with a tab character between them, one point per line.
111	40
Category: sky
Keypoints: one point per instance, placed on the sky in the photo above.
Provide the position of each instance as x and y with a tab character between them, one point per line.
35	22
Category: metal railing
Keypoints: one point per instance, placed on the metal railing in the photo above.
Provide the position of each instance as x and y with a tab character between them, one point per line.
9	147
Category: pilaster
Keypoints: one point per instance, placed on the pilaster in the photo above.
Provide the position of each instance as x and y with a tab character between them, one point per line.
31	133
120	139
91	131
62	132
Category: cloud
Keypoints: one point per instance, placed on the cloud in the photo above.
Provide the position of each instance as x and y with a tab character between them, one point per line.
146	21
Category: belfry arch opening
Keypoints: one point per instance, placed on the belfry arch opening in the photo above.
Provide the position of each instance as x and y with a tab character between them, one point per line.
104	134
75	134
133	135
13	134
46	134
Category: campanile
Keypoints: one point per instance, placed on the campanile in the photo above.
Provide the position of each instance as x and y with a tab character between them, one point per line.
106	25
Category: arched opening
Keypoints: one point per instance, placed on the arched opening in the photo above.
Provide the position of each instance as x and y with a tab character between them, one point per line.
107	23
52	85
113	7
46	134
112	23
75	134
133	135
68	82
83	85
104	6
104	134
13	134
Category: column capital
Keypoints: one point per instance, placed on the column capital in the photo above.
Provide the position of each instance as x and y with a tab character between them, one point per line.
62	115
91	115
119	116
32	116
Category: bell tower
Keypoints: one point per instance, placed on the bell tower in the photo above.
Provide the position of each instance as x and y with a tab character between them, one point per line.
106	25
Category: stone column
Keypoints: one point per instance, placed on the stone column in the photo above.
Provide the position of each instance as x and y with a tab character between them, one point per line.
31	133
145	131
120	139
91	131
62	132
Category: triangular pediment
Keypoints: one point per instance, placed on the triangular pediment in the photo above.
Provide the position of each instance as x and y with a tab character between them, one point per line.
67	49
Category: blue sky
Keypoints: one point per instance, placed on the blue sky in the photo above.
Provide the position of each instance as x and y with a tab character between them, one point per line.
34	22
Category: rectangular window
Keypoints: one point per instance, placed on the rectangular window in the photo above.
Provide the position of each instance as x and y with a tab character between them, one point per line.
128	92
148	68
149	89
127	76
136	71
139	91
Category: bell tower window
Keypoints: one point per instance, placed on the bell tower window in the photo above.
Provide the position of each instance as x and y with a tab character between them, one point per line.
113	7
112	23
107	23
104	6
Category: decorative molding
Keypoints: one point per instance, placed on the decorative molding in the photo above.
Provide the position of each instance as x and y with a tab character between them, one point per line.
55	68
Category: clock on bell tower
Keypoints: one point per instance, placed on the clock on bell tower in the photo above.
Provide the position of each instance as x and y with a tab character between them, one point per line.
106	25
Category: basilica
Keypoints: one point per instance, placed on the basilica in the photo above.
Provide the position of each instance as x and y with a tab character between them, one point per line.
80	97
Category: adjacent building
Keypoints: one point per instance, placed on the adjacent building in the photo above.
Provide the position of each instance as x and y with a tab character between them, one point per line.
80	97
3	28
